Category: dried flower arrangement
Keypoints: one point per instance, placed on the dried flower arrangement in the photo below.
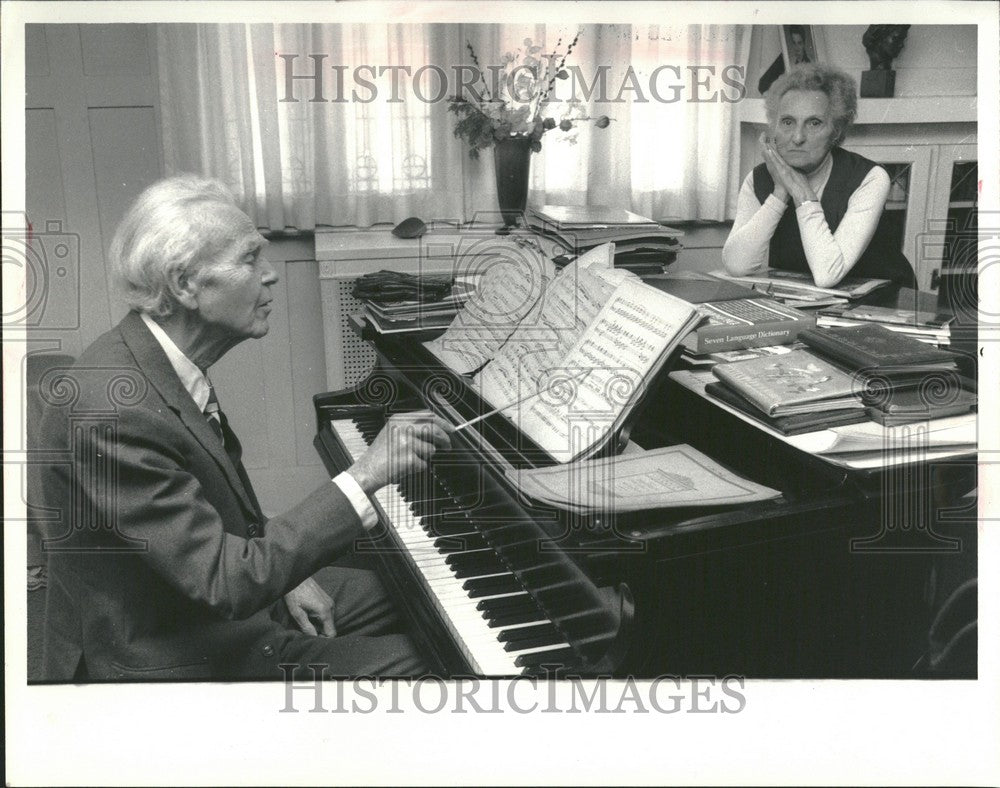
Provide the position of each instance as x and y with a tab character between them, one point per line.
522	102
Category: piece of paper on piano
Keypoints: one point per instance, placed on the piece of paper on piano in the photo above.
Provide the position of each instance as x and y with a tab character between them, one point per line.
672	476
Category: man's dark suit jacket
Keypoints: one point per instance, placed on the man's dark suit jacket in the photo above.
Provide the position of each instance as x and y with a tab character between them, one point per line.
164	569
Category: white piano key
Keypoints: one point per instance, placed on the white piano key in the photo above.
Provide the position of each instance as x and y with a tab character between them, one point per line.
471	632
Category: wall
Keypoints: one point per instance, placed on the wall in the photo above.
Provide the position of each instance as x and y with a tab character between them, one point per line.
93	144
937	60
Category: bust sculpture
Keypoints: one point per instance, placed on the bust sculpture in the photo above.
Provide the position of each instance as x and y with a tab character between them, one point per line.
883	43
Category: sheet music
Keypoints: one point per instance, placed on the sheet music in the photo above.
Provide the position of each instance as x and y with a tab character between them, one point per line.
547	334
509	291
668	477
605	370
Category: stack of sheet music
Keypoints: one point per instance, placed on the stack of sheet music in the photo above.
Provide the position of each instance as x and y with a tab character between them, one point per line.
394	317
797	288
928	327
641	245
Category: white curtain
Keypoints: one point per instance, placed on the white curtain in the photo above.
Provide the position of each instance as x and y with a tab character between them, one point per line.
348	161
685	153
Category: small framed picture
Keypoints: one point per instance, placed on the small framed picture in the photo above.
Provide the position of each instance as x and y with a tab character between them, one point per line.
801	44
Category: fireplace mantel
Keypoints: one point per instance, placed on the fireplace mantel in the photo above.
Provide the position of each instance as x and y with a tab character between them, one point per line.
919	109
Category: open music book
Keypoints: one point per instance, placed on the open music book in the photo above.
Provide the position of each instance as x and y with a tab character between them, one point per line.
568	367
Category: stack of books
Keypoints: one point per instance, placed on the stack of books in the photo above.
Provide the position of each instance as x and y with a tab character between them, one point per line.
733	317
641	245
793	393
929	327
901	380
797	288
396	317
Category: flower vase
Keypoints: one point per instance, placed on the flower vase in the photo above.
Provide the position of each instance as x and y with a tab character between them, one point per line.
512	162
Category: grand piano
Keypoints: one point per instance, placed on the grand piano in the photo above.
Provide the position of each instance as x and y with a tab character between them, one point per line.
839	577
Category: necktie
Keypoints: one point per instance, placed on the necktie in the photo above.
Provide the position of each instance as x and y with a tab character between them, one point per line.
220	426
214	414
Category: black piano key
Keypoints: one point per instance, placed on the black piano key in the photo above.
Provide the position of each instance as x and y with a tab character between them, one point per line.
475	571
455	544
369	427
559	656
481	558
488	586
519	634
442	499
430	507
547	639
538	574
506	604
439	528
446	515
506	619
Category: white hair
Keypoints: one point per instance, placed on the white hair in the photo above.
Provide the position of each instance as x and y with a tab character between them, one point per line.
175	225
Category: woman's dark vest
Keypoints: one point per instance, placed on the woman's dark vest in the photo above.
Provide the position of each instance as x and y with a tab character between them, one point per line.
881	260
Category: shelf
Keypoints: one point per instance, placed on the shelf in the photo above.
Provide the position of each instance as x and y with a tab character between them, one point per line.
922	109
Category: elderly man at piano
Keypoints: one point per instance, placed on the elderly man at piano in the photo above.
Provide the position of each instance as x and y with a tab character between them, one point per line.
812	206
168	568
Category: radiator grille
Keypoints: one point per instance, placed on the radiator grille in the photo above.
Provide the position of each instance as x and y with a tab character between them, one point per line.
359	357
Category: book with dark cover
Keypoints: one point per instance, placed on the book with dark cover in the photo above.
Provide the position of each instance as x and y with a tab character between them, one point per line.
746	322
787	425
920	404
873	347
797	382
700	289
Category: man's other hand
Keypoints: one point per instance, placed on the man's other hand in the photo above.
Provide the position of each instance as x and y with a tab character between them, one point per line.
311	608
405	445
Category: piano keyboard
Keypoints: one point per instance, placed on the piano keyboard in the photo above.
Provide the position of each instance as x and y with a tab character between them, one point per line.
493	620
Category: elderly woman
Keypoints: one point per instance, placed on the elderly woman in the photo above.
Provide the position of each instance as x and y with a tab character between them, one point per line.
813	206
168	568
